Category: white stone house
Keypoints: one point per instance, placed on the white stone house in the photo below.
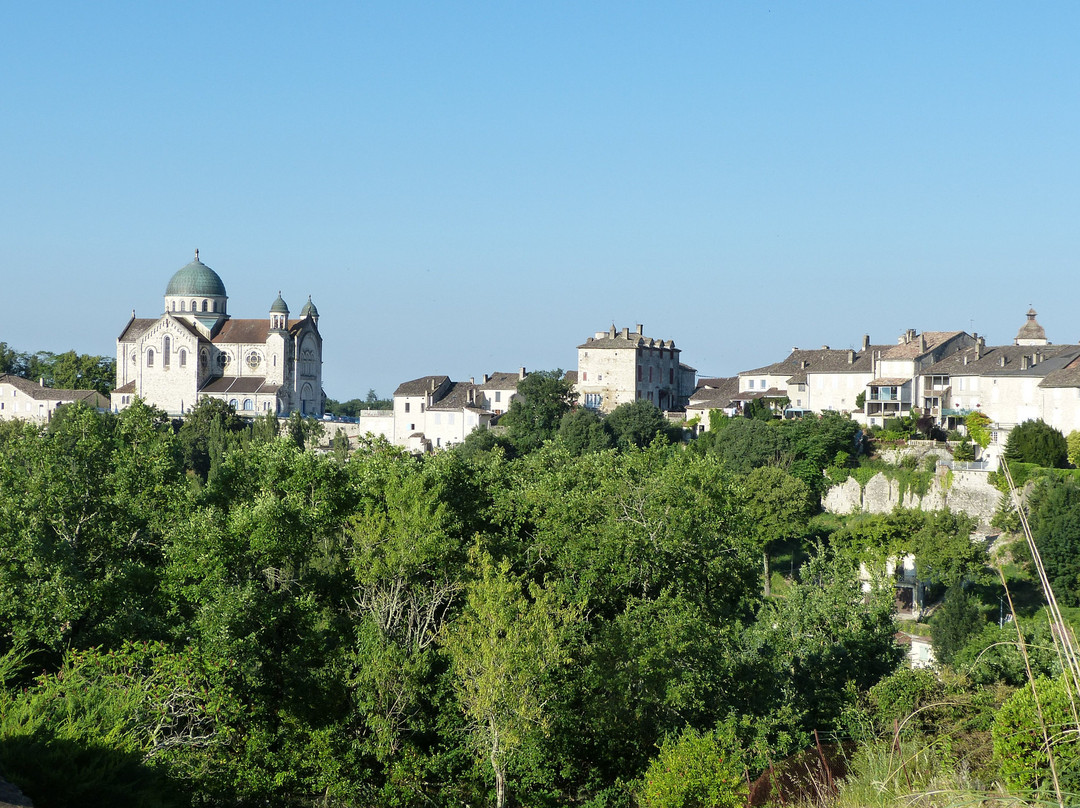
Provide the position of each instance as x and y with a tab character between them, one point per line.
433	412
618	367
25	400
712	394
196	350
497	390
897	382
1028	380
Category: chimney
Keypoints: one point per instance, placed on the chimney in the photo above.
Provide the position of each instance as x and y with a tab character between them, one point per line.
1002	361
922	343
865	341
824	347
965	358
41	381
978	349
472	380
521	373
626	332
851	357
641	329
433	385
487	378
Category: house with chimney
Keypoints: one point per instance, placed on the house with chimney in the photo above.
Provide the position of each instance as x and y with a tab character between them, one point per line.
25	400
621	366
1028	380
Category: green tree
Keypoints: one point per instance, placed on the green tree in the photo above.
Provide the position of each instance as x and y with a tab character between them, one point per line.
777	506
1054	515
1072	441
544	397
1039	443
637	423
503	648
959	619
582	430
978	427
206	433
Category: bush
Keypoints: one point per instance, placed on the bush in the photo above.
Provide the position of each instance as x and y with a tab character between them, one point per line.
1020	744
696	770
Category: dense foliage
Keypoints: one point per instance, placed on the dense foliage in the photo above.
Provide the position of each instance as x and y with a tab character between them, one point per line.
215	615
65	371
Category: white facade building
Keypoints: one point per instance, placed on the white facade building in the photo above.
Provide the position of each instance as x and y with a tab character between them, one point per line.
618	367
196	350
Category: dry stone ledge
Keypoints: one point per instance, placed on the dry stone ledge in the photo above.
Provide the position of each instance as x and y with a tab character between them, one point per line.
967	492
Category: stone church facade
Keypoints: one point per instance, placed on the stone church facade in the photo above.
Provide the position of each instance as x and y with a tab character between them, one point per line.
196	350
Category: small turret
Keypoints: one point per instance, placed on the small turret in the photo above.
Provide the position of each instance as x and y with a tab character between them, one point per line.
309	310
279	314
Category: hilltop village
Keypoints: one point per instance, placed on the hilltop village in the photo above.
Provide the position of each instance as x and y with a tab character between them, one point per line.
502	602
195	350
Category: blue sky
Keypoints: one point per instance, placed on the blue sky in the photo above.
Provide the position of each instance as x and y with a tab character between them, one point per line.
471	187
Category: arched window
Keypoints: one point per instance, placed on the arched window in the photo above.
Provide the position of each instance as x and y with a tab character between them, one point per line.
181	306
166	352
249	404
183	358
150	358
174	305
194	305
233	403
204	305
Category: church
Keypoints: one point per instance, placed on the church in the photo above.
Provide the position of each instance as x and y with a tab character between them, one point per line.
195	350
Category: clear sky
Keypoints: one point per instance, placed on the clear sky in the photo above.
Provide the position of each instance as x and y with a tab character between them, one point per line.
471	187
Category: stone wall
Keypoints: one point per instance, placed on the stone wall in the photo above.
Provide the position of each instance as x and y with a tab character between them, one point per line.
963	491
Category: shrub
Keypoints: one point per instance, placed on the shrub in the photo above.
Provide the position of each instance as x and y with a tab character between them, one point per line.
696	770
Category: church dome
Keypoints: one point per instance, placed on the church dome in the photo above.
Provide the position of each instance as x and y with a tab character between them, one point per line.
309	309
196	279
279	306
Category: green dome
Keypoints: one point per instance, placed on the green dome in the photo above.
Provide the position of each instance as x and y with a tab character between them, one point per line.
196	279
279	306
309	309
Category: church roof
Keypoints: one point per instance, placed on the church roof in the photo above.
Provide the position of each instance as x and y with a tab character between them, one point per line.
247	331
196	279
309	309
240	384
279	306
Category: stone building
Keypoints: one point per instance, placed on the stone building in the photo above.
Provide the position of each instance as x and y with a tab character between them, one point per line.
618	367
197	350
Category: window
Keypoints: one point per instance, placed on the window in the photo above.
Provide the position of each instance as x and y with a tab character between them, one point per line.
249	404
650	377
584	375
421	406
671	376
194	305
174	305
802	387
498	395
762	384
593	401
204	304
213	305
407	405
183	358
181	305
166	352
639	373
233	403
751	387
150	358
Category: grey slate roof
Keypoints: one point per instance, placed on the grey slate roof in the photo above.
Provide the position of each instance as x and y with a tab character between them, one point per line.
625	338
40	393
240	384
501	381
914	348
457	398
821	360
421	386
1050	358
715	393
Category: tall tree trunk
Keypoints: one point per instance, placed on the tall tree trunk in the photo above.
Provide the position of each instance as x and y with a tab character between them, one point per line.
768	571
